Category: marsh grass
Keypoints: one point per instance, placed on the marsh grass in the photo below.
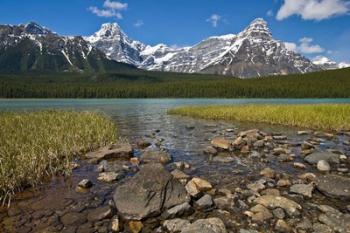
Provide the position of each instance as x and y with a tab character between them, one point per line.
319	116
36	145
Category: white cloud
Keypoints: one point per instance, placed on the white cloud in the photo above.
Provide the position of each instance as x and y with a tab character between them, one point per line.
110	9
214	20
313	9
115	5
305	46
138	23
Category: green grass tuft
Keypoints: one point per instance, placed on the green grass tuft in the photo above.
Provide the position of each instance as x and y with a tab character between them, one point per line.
321	117
36	145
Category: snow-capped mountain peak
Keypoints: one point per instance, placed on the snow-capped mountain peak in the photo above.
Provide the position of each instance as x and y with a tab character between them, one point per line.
35	29
328	64
250	53
116	44
257	29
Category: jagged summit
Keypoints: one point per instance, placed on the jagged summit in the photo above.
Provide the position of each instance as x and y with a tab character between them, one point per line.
35	29
257	29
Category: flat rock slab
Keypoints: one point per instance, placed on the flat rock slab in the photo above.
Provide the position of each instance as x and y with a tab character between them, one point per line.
116	151
151	191
315	157
273	202
334	186
210	225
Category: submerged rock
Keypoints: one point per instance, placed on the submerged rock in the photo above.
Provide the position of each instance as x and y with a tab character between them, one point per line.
317	156
152	190
210	225
221	143
334	186
85	183
116	151
155	157
303	189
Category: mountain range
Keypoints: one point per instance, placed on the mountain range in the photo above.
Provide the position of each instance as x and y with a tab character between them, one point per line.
250	53
31	47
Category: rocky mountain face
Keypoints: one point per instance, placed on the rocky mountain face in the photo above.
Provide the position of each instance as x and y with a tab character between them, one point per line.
32	47
251	53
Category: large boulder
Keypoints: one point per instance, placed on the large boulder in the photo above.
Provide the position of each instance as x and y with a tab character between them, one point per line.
334	186
315	157
209	225
152	190
115	151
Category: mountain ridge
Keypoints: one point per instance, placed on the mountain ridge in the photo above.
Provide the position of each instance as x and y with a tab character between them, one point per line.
250	53
31	47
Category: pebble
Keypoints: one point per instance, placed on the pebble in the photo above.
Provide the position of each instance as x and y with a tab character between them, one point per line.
268	173
323	166
282	226
115	224
299	165
85	183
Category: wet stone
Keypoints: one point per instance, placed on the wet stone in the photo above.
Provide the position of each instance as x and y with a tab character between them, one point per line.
317	156
155	157
85	183
323	166
204	202
100	214
175	225
73	219
210	225
303	189
334	186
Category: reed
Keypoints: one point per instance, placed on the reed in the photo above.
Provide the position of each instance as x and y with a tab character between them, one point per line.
319	116
37	145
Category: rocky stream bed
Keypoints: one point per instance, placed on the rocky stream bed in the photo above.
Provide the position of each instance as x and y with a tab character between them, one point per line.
216	179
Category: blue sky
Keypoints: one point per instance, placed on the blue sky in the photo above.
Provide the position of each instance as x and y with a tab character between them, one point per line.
313	27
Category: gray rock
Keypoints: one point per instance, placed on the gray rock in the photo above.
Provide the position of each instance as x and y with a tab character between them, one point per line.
149	192
303	189
100	213
155	157
334	186
175	225
224	203
323	166
204	202
282	226
210	150
336	221
116	151
305	224
279	213
317	156
73	219
248	231
223	158
210	225
177	211
321	228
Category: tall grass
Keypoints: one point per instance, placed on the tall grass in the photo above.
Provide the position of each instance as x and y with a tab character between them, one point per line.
40	144
321	117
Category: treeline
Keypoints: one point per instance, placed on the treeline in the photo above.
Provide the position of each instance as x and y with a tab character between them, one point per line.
326	84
